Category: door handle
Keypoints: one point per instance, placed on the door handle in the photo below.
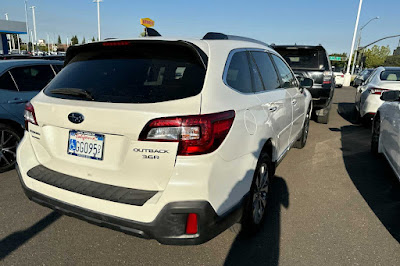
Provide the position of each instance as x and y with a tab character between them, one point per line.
17	100
272	109
294	102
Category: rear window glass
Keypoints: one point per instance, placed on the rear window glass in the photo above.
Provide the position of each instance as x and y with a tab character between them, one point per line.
305	58
390	75
135	73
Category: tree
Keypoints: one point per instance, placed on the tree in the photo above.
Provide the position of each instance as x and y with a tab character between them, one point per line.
93	39
59	40
393	60
74	40
376	56
83	40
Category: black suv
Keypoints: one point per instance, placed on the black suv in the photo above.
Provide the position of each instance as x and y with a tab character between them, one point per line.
312	62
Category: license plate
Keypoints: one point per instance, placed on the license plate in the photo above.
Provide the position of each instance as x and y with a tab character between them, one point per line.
86	144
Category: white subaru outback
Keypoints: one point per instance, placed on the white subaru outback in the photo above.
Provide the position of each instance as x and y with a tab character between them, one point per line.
169	139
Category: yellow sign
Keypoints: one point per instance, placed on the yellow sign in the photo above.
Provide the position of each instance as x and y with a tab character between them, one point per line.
148	23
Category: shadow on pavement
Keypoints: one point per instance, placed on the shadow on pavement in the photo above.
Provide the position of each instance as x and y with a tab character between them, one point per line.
372	176
263	248
348	112
17	239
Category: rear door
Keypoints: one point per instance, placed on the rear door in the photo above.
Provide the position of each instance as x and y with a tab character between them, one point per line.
275	99
105	96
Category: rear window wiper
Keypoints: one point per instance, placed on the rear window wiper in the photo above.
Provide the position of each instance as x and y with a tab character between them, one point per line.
73	92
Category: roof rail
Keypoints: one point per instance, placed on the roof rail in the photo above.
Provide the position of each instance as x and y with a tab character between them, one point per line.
222	36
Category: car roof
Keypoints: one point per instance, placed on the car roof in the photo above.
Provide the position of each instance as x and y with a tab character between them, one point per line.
5	64
201	43
391	68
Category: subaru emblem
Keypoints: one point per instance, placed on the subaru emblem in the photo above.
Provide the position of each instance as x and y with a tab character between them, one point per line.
76	118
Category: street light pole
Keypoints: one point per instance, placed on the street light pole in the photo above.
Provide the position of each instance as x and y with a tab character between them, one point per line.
358	44
347	76
27	28
34	23
98	18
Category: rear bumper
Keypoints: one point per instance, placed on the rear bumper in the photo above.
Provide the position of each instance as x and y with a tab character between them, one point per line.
168	227
370	104
321	95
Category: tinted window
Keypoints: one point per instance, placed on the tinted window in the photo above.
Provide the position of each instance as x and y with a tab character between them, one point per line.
139	73
286	75
390	75
267	70
57	68
6	82
300	58
32	78
238	75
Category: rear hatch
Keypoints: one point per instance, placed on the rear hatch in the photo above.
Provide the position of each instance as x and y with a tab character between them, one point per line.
310	62
91	115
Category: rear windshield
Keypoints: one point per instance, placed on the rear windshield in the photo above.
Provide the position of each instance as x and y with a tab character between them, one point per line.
390	75
135	73
299	58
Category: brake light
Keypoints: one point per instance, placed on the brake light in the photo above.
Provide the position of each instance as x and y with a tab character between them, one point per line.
377	91
197	134
191	224
118	43
29	115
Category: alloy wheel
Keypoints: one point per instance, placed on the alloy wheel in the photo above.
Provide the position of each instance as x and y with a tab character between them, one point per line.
260	193
8	147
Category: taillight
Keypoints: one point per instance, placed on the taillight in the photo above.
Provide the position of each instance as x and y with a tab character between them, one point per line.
327	77
197	134
377	91
29	115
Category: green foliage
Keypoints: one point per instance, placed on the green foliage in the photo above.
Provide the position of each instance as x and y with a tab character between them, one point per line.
59	40
142	34
376	56
393	60
74	40
93	39
83	40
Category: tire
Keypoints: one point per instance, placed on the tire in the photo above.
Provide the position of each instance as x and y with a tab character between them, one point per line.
256	205
376	125
301	142
9	140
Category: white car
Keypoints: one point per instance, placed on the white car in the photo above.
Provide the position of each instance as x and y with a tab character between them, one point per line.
386	130
339	79
367	100
170	139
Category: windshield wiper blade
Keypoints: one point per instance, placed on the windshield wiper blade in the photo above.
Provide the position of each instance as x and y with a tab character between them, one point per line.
74	92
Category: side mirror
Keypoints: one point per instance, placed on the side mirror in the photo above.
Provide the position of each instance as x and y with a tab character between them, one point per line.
391	96
306	83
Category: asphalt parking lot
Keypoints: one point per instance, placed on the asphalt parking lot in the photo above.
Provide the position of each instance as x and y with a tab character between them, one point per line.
332	203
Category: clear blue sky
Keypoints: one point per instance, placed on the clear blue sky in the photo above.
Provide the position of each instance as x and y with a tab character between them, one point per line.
328	22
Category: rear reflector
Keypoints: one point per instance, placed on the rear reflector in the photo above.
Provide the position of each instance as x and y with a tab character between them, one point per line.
196	134
191	224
